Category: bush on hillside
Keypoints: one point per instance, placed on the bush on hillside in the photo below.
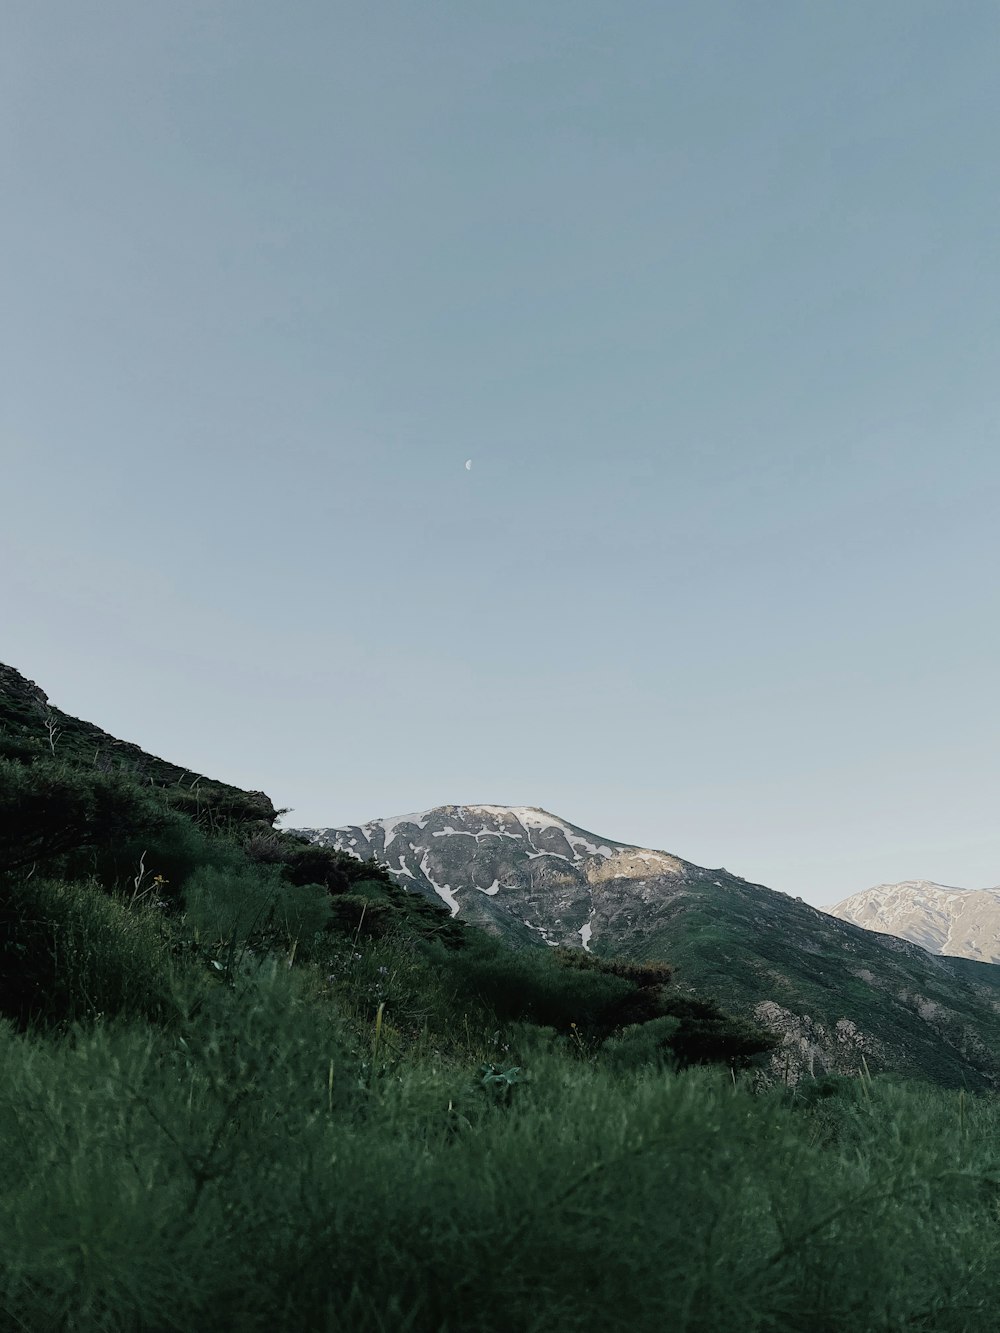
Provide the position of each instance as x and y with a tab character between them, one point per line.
531	985
220	809
641	1002
69	952
643	975
308	863
707	1034
253	905
356	913
174	850
600	998
22	748
642	1045
47	812
337	871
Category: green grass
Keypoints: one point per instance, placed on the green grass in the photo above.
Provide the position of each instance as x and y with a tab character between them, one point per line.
256	1170
256	1158
78	953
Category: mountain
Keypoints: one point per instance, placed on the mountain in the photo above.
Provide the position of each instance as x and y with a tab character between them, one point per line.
835	991
962	923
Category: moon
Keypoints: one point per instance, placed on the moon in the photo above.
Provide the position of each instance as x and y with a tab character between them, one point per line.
468	465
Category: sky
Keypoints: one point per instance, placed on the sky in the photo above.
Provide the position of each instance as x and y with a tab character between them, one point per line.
708	292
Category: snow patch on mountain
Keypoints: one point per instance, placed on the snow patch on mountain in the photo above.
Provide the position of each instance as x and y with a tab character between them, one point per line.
442	890
553	944
387	825
532	817
586	930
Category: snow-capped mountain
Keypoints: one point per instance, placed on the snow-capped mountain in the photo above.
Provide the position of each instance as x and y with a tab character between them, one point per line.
962	923
513	869
835	992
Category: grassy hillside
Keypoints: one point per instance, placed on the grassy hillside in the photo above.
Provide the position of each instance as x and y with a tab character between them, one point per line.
32	728
827	982
252	1085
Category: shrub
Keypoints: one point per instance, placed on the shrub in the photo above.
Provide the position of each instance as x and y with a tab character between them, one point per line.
532	985
253	904
642	975
706	1034
69	952
174	849
353	912
221	809
47	811
337	871
643	1044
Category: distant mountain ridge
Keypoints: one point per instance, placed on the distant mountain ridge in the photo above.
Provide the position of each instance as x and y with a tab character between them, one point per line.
961	923
835	991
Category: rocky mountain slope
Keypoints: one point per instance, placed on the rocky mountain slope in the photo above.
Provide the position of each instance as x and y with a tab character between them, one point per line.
962	923
835	991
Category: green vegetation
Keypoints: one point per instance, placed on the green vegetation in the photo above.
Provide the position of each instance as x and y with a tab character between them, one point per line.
931	1018
253	1085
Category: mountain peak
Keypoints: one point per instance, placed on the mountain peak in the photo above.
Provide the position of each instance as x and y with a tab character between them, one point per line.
466	854
943	919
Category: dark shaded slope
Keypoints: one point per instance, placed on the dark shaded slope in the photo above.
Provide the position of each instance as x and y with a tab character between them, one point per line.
31	728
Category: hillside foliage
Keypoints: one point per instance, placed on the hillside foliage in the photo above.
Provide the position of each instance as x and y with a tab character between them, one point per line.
251	1084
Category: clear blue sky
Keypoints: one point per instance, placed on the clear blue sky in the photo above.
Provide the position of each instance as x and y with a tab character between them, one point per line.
709	293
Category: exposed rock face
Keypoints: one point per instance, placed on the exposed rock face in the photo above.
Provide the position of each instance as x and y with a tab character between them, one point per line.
18	688
962	923
834	991
809	1049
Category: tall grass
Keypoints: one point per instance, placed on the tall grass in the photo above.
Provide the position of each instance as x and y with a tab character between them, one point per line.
233	903
79	953
217	1176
